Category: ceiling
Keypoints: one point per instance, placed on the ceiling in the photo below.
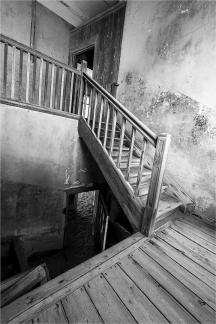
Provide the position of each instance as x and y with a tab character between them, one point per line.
77	12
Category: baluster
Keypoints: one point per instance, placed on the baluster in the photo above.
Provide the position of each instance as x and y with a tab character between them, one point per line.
100	117
159	163
130	153
13	72
46	83
34	77
83	69
84	108
62	88
56	88
71	92
113	131
139	176
90	105
121	142
75	94
94	111
105	232
20	74
40	81
106	125
28	76
52	85
5	70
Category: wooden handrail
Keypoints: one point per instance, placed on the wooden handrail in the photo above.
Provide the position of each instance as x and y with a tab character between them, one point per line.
27	49
143	129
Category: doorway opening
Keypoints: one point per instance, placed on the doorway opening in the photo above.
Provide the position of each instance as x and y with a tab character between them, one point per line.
87	55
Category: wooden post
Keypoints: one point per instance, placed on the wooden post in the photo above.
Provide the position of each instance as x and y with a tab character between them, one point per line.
20	74
106	125
139	176
28	76
71	92
46	83
112	138
34	77
100	117
90	106
114	87
160	157
5	70
121	141
133	134
52	86
94	111
62	88
83	69
13	72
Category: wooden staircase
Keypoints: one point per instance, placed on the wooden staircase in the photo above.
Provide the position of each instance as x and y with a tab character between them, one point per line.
131	157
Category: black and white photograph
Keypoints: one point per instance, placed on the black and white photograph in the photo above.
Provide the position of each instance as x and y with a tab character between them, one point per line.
108	161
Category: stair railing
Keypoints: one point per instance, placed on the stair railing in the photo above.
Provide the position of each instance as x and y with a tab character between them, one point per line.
108	118
30	77
35	79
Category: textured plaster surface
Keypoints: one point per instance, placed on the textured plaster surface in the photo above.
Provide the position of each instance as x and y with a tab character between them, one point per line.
51	32
168	81
37	149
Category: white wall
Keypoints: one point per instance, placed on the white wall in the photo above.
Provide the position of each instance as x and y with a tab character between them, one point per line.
167	78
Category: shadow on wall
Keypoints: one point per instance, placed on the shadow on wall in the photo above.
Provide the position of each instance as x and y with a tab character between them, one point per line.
192	157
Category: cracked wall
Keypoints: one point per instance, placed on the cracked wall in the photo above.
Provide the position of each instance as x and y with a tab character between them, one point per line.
168	81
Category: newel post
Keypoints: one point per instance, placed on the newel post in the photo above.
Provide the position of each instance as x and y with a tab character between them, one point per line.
83	70
159	163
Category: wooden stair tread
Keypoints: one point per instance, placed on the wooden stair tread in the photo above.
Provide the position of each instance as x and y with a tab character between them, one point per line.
167	205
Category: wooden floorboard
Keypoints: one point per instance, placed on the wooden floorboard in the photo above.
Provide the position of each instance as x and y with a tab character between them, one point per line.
175	288
79	308
199	229
184	276
136	302
168	278
194	251
53	315
107	302
177	255
160	297
193	235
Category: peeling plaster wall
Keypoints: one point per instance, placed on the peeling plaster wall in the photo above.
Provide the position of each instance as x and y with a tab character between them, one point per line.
106	36
41	155
51	32
168	80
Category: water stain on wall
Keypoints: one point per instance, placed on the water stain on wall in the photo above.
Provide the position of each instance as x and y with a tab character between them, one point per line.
193	134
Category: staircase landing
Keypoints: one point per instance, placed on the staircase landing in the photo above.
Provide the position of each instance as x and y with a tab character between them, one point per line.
169	277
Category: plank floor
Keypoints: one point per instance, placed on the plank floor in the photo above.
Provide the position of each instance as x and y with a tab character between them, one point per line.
169	278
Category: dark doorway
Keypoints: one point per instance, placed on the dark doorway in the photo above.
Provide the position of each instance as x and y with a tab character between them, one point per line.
87	55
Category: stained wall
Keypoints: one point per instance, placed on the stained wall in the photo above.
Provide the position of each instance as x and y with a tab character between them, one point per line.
167	78
41	156
105	34
51	32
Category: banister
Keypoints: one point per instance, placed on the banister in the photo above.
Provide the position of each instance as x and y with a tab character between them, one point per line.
150	136
28	49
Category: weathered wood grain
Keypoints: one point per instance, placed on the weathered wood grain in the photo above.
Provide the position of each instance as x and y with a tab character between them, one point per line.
136	302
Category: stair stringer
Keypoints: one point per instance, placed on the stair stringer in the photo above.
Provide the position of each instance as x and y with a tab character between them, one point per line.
132	206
